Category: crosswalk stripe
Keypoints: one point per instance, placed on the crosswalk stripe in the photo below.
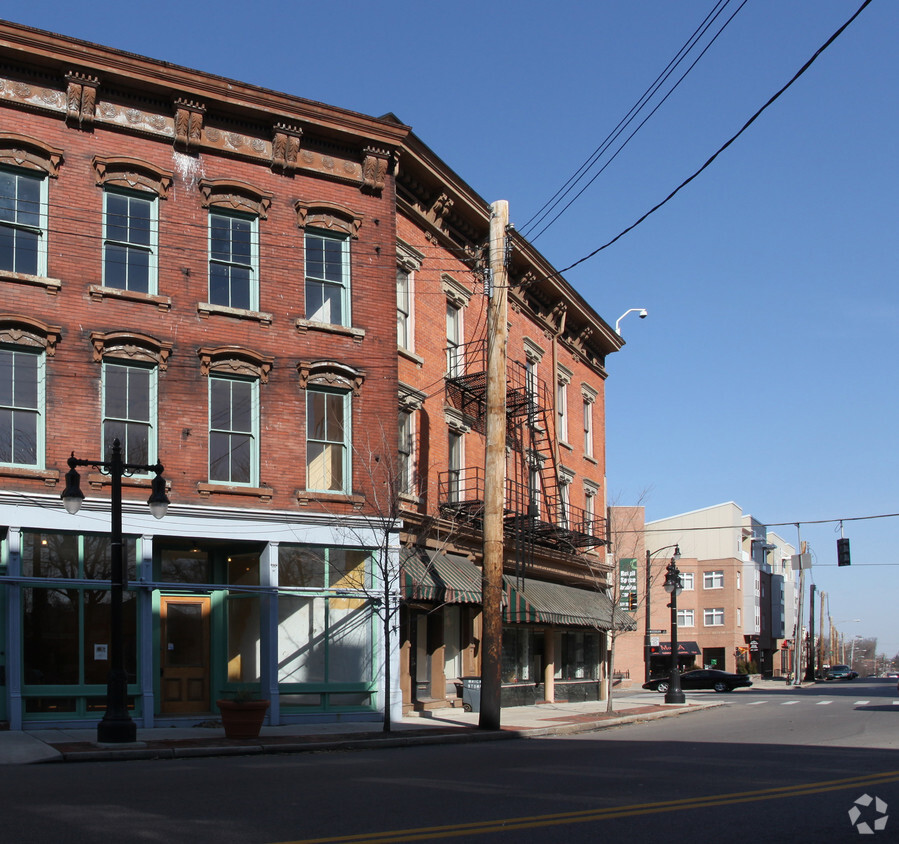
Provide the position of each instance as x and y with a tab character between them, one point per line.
862	702
823	702
789	702
757	702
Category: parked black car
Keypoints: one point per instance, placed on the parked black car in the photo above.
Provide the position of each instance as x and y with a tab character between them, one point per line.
702	678
840	672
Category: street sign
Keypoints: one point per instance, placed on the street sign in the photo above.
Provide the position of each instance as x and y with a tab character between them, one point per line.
658	631
653	641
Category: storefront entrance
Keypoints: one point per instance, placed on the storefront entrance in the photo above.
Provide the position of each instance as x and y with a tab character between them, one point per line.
184	659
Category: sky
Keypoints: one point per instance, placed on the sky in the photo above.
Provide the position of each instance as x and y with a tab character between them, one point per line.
765	372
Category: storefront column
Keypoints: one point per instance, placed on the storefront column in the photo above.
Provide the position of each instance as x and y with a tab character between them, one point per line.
268	630
148	649
14	631
549	664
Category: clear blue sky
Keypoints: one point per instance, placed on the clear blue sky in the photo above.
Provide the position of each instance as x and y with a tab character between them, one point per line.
766	371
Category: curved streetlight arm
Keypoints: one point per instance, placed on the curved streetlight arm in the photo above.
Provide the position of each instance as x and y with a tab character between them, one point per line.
643	314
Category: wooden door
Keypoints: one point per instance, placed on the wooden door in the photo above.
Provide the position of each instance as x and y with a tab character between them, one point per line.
184	635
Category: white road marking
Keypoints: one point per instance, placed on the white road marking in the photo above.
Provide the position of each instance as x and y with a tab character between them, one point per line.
823	702
789	702
862	702
757	703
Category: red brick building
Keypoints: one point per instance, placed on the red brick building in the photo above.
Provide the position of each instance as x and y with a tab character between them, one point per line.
556	606
196	267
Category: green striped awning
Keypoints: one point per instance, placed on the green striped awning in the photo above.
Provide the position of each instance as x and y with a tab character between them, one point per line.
439	578
538	602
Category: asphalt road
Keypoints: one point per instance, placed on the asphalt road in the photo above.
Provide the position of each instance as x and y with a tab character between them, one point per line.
768	765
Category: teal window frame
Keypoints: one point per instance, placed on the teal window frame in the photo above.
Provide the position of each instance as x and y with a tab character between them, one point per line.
17	401
130	419
327	286
129	240
232	256
21	222
233	429
325	435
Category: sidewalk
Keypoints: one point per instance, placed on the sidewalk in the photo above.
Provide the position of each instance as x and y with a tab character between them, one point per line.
440	726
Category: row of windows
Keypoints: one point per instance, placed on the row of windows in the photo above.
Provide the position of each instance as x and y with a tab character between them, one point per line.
130	248
710	580
713	617
129	398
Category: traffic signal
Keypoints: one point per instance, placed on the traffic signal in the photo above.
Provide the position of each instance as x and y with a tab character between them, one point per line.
843	552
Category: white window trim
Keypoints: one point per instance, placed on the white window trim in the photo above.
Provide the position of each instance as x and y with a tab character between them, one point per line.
454	363
713	613
153	249
689	618
712	577
689	581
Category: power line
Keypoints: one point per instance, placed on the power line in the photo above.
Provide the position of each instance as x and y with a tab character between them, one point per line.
721	149
629	117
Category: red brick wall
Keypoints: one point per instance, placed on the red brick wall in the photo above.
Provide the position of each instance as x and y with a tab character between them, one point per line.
73	401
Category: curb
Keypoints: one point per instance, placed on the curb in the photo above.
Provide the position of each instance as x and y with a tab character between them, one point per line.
455	735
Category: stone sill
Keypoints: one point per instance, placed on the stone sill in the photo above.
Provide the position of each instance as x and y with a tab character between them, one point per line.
98	293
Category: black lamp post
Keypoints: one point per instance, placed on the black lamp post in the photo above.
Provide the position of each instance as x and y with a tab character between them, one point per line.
647	616
117	725
674	586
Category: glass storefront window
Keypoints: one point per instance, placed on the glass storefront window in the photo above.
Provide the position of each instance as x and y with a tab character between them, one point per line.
184	565
578	656
301	639
301	567
518	655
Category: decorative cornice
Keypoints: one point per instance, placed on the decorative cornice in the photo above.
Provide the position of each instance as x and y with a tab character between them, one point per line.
374	168
322	214
132	173
25	331
329	373
286	147
188	124
21	151
131	346
237	195
235	360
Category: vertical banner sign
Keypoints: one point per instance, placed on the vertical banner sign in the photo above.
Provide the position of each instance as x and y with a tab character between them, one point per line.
627	584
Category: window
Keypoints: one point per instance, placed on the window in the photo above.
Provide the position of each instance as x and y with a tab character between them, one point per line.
713	617
562	408
129	241
403	308
589	509
233	442
21	407
738	580
327	279
685	618
588	428
233	260
578	656
564	504
453	340
687	579
327	441
455	466
23	222
129	411
713	580
405	462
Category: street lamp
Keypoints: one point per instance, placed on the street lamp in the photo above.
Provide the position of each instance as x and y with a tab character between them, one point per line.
117	725
647	618
674	586
643	314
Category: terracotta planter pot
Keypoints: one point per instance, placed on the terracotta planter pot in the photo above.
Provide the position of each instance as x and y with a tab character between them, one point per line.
242	719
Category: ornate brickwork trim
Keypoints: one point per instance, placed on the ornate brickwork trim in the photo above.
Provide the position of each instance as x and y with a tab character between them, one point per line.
286	147
81	99
330	373
132	173
374	169
237	195
235	360
455	291
188	124
328	215
131	346
410	399
21	151
24	331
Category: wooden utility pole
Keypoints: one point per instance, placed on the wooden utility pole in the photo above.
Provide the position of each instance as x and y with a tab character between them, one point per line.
495	471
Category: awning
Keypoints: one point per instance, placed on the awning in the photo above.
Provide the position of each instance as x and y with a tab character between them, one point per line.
683	648
439	578
538	602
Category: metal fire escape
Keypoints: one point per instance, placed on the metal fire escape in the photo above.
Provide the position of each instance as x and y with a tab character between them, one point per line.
536	511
